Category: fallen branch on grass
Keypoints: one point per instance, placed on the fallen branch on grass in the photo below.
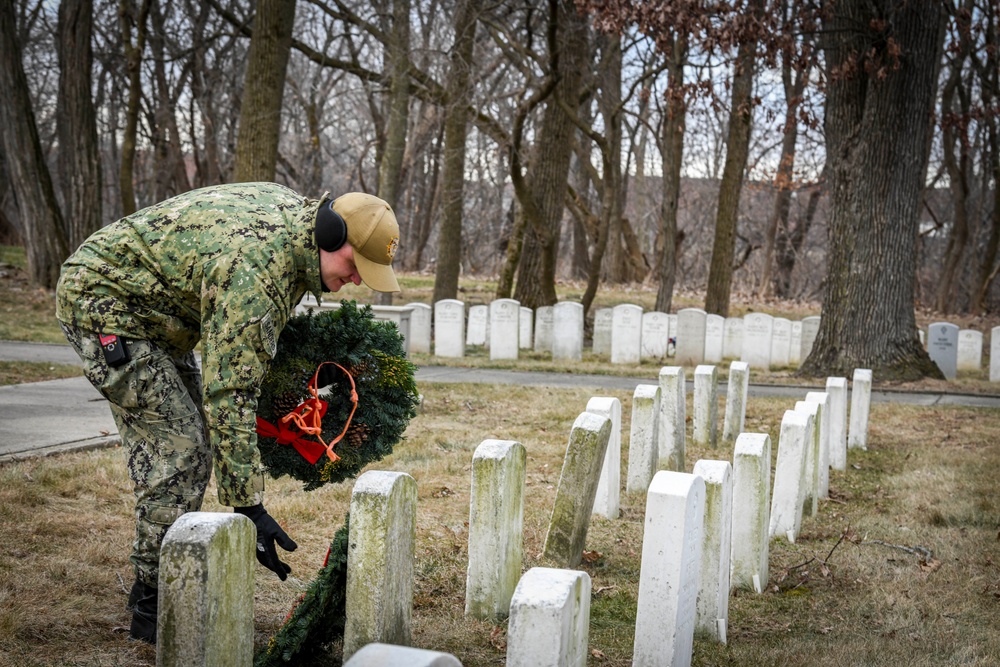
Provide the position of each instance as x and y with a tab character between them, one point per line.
925	554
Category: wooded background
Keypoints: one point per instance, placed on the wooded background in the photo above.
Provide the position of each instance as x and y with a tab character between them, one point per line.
842	151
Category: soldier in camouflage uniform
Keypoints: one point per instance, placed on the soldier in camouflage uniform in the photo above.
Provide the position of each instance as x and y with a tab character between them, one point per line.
223	267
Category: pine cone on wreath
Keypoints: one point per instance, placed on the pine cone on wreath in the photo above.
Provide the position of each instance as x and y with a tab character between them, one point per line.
286	403
356	435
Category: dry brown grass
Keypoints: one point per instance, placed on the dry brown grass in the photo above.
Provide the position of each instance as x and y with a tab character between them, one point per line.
928	479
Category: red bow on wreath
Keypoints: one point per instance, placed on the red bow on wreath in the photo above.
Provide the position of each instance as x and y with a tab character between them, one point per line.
307	419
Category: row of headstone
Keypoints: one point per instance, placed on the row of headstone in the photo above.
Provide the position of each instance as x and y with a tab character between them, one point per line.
954	349
628	335
625	333
706	533
505	327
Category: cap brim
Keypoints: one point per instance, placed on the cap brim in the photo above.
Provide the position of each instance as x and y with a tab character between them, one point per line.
379	277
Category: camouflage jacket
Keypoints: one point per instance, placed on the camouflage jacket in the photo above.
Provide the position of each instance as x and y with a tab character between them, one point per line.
223	266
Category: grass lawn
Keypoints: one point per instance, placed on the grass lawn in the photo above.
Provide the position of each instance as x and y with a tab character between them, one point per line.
900	566
847	593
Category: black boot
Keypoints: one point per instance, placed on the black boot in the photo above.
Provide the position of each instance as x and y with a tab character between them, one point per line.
143	612
133	596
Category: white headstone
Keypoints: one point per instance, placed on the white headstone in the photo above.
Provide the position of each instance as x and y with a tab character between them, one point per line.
713	593
691	324
668	578
732	338
525	328
942	346
655	332
995	354
379	597
810	328
505	316
714	338
757	328
574	503
608	498
643	446
795	348
861	400
836	389
626	334
781	341
478	323
391	655
970	350
549	619
420	328
810	502
543	329
736	401
449	328
673	412
602	331
567	331
496	521
205	610
751	510
822	399
705	432
789	475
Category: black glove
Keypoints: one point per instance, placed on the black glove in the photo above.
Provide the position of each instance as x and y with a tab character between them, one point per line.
268	532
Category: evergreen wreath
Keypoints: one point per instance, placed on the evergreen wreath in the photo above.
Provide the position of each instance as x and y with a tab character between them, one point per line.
348	351
351	353
318	617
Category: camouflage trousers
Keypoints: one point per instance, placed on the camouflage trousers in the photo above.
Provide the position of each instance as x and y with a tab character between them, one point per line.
156	402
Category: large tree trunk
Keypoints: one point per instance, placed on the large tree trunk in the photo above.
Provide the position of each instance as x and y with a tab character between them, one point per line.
877	125
129	19
720	273
449	256
79	158
41	221
549	170
672	149
260	113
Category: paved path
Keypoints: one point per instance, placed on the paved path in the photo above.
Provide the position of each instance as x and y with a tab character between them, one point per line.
61	415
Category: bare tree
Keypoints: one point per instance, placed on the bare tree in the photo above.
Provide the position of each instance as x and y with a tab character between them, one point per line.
79	158
545	184
131	19
41	221
672	149
260	114
720	275
797	61
455	136
987	65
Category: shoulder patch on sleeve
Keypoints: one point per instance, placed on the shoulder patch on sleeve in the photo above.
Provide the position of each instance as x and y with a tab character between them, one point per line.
267	338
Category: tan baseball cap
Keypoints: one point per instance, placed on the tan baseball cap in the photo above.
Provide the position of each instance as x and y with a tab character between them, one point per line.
373	232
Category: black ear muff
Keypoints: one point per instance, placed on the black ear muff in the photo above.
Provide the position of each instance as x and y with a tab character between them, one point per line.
331	230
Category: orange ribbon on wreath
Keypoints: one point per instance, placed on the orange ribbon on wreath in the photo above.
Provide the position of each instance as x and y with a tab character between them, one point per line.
307	419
